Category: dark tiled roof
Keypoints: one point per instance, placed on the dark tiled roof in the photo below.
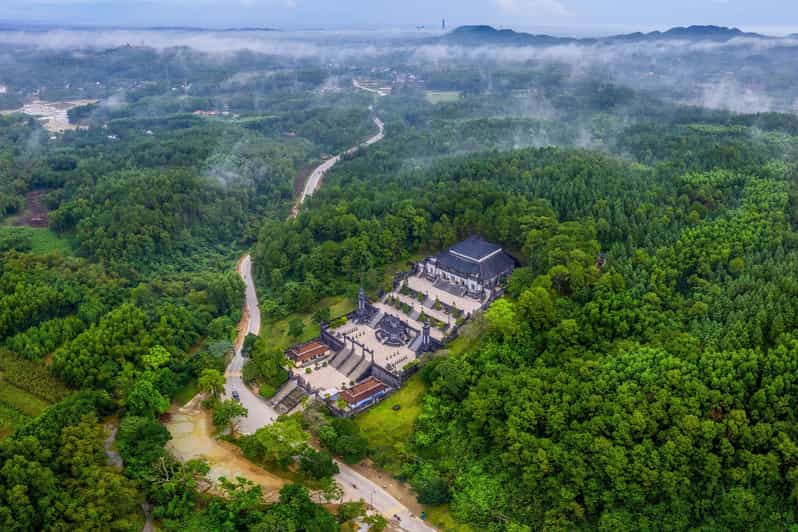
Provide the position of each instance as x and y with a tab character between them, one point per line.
497	265
478	248
475	247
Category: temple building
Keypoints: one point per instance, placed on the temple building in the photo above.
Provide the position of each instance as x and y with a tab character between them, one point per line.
305	353
365	392
472	267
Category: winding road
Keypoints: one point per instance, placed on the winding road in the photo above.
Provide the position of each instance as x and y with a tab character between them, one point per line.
260	413
314	180
355	486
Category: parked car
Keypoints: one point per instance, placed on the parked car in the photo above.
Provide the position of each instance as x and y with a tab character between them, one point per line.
236	397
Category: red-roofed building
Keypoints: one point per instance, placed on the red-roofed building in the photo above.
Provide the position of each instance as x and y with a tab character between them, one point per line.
305	353
364	392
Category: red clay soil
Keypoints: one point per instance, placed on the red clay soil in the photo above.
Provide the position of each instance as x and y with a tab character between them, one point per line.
35	214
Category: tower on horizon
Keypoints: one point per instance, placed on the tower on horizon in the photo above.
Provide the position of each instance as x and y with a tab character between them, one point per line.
443	24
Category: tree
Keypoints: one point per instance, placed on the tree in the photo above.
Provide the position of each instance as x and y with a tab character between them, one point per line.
156	357
298	512
331	491
322	315
430	487
141	443
277	443
537	307
266	366
317	464
145	400
501	317
343	438
249	342
226	414
211	381
295	328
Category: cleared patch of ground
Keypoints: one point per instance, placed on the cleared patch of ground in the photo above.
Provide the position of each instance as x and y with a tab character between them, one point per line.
37	240
52	115
17	407
35	213
191	439
434	97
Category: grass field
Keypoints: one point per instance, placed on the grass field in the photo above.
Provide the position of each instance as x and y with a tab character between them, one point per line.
20	400
386	428
42	240
434	97
276	333
17	407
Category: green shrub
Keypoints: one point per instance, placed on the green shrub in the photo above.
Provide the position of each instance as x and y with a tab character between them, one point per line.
267	391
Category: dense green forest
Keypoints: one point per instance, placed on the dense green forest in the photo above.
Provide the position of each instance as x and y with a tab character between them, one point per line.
654	388
638	374
128	297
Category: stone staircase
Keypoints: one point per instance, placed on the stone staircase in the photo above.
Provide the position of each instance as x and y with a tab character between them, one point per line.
359	370
350	364
290	401
284	390
415	345
341	357
376	319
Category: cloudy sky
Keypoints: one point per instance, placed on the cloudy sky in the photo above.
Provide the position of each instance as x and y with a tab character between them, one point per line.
574	16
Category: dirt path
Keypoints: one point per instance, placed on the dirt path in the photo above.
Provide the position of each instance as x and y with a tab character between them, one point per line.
35	213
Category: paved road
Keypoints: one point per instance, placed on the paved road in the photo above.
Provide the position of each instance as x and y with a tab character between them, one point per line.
260	413
357	487
314	180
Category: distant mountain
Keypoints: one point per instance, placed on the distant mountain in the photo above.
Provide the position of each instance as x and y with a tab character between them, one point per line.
479	35
488	35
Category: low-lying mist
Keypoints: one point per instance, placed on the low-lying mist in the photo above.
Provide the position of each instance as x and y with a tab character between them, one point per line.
739	74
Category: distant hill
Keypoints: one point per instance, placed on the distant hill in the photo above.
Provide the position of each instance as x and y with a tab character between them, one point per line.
478	35
488	35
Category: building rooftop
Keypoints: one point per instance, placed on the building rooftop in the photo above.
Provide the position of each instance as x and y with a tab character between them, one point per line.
363	390
303	353
475	248
476	256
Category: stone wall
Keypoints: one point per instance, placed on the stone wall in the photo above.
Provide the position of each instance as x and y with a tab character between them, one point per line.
328	338
385	376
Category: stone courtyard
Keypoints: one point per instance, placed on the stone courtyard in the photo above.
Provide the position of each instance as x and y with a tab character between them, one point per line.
421	284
